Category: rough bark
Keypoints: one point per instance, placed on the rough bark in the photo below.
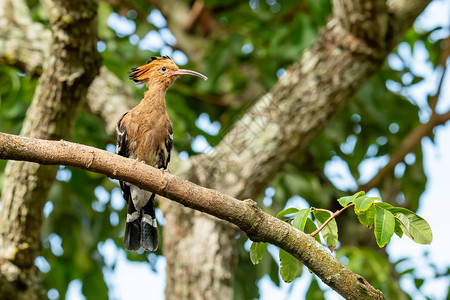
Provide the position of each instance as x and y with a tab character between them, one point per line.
177	13
67	73
24	44
258	225
109	98
281	124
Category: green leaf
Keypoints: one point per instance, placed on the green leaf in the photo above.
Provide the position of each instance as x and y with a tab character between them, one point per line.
287	211
310	227
417	79
415	227
314	291
300	218
408	271
273	271
384	205
398	229
384	227
257	251
363	203
94	285
104	31
402	210
289	265
418	282
367	217
329	232
344	201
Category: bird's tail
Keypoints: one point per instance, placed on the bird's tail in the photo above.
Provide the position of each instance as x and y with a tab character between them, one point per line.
149	227
141	228
132	240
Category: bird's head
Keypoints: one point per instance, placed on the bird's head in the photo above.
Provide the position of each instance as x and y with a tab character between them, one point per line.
160	71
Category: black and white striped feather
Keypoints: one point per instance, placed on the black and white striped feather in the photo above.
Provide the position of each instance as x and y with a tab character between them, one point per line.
141	225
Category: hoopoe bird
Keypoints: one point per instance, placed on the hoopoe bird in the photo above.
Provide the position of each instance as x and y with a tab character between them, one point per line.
145	134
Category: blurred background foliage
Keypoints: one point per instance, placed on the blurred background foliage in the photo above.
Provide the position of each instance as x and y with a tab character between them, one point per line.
246	47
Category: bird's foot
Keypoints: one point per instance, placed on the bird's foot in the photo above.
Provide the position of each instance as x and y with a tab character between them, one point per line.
164	171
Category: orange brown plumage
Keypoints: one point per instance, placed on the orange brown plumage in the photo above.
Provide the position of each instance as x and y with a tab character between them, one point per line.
145	133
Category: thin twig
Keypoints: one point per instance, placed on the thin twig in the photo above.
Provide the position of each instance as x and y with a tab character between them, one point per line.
321	209
332	216
412	140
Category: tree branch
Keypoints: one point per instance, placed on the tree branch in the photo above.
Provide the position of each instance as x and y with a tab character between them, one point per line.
332	216
258	225
413	139
360	17
109	98
443	62
408	145
177	14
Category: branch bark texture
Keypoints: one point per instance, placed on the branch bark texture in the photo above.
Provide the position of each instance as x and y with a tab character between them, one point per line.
23	43
67	73
258	225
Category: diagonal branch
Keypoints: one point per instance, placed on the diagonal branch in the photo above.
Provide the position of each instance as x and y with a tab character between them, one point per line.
332	216
177	13
408	145
413	139
258	225
443	62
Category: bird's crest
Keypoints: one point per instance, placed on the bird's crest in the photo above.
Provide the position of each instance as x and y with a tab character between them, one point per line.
141	74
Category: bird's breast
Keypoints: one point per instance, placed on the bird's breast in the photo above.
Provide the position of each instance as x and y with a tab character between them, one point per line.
150	146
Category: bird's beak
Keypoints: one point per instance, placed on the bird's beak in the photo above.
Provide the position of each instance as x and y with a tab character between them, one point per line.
189	72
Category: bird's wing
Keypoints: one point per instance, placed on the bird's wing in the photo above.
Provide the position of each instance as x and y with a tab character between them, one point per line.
122	149
122	138
169	144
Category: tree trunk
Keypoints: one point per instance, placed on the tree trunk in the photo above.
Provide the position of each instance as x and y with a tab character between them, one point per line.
67	74
281	124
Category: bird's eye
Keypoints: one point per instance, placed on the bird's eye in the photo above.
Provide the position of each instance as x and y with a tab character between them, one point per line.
163	69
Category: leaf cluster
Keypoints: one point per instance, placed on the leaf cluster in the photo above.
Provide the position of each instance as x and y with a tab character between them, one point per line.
388	219
385	218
